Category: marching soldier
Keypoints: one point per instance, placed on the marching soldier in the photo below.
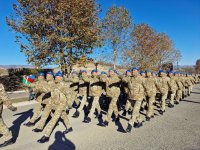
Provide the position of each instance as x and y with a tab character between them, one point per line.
7	135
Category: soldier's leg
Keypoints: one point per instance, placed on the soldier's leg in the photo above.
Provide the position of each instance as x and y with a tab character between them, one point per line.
65	119
172	95
110	111
93	107
135	113
36	113
44	117
164	97
50	126
83	103
128	105
150	111
77	102
97	104
7	135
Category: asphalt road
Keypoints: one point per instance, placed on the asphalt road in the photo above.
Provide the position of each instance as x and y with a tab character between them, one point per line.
177	129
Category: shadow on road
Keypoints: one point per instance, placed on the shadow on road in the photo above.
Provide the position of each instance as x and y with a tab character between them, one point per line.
61	143
195	92
19	121
190	101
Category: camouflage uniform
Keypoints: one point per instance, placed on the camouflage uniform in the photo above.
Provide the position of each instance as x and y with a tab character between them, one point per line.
125	86
4	99
135	96
113	92
172	88
150	87
163	87
179	89
60	94
95	91
73	81
83	93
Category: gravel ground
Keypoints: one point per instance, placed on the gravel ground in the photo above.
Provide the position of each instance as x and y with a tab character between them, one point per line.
177	129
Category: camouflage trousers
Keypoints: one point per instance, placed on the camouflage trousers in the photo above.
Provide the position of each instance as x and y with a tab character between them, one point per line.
128	105
135	116
38	110
172	96
95	105
179	95
163	100
7	135
73	99
112	109
83	102
59	113
151	101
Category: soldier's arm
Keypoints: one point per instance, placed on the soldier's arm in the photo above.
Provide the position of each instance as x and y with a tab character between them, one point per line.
73	80
86	79
5	98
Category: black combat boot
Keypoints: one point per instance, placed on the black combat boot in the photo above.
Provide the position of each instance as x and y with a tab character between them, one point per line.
87	120
176	102
6	143
129	128
148	118
76	114
124	113
37	130
68	130
29	124
43	139
138	125
170	105
100	115
106	123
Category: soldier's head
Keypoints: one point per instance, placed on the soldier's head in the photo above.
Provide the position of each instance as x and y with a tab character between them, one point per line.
161	73
94	72
84	72
111	72
170	73
74	74
142	73
148	73
49	76
128	73
58	77
103	73
41	76
135	70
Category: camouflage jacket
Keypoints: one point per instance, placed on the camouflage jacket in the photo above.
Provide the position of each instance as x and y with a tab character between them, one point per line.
4	99
112	85
73	81
136	90
173	84
83	87
150	85
163	85
95	85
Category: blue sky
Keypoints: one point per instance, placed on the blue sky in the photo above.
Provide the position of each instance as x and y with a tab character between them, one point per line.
180	19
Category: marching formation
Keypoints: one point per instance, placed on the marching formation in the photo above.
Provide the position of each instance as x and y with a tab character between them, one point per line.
101	94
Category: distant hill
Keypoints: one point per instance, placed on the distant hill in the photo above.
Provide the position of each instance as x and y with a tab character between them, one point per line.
15	66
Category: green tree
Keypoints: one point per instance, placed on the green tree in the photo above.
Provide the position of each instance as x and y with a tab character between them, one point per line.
55	31
115	27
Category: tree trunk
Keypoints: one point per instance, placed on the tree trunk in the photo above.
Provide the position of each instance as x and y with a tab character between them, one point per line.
114	55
